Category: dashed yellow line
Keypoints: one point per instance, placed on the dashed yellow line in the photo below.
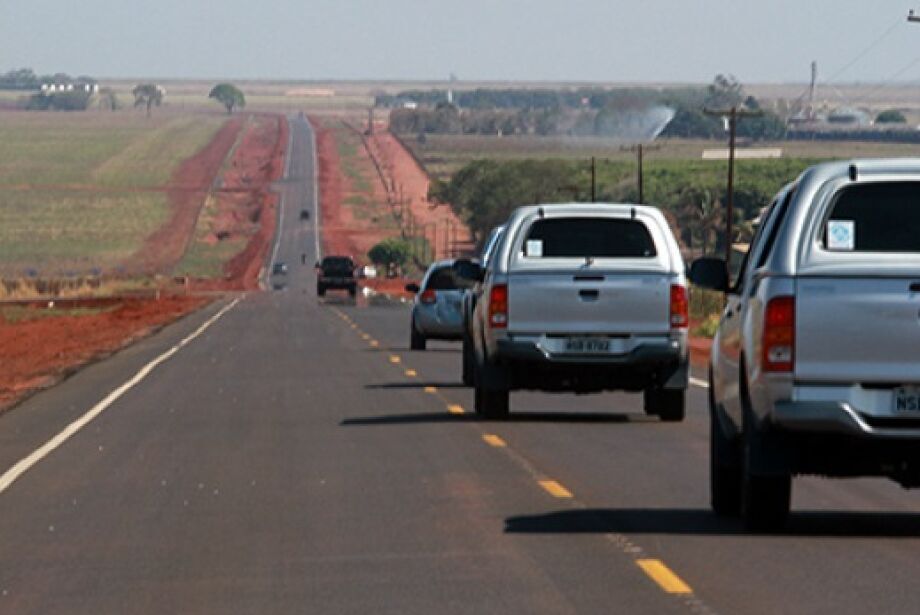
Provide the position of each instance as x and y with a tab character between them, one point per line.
395	359
411	373
555	489
374	343
493	440
664	576
431	390
455	409
365	336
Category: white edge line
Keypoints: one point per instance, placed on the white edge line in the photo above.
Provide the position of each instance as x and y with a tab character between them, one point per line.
281	199
317	233
26	463
699	383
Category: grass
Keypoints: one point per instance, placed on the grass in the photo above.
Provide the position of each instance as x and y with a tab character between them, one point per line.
205	258
59	232
79	192
13	314
445	154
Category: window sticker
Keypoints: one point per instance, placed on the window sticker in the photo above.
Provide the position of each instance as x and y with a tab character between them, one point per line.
534	248
841	235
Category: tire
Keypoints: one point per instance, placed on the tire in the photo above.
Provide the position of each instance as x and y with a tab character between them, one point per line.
352	291
321	291
469	364
765	499
417	341
667	404
724	466
490	404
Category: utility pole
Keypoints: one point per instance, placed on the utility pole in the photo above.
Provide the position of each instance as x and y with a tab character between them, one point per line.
640	150
733	114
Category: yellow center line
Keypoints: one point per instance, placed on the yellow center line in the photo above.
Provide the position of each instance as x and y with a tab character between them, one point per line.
374	343
664	576
493	440
455	409
411	373
555	489
431	390
394	359
354	326
365	336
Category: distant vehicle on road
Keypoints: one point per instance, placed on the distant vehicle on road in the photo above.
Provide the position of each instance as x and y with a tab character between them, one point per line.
436	309
279	268
582	298
336	273
814	366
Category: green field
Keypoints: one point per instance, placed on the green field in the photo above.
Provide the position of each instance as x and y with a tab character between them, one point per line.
80	192
443	155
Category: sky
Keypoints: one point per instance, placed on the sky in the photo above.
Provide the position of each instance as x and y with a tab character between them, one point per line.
537	40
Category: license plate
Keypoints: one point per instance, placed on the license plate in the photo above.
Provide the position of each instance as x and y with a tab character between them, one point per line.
591	345
907	399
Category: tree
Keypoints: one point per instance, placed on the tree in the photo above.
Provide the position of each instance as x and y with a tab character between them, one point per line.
148	95
890	116
391	253
228	95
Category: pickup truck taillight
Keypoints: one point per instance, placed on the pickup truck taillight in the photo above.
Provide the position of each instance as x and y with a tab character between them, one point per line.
498	306
779	335
680	307
428	297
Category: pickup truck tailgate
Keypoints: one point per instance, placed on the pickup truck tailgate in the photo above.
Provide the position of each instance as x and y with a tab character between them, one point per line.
857	330
596	302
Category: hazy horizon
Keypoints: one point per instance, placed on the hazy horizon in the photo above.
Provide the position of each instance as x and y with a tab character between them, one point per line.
584	41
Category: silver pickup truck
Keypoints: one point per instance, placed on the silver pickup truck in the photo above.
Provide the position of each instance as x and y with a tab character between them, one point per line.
583	298
815	366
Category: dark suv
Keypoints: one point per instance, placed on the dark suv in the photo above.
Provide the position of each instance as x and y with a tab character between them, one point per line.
337	273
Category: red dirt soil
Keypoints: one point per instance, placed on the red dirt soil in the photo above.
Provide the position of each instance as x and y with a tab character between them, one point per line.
37	353
245	204
449	236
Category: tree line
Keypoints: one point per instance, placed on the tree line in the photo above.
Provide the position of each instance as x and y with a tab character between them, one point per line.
577	112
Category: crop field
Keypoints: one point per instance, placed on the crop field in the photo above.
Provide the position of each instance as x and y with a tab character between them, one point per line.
79	193
443	155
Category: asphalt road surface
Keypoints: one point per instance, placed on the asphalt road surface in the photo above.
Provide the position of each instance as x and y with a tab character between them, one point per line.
291	455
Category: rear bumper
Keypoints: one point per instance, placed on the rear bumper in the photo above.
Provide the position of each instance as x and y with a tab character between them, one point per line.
337	283
830	417
649	365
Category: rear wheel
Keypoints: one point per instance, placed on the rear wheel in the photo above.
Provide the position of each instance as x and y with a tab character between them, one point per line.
417	341
321	290
667	404
352	291
492	404
765	498
724	466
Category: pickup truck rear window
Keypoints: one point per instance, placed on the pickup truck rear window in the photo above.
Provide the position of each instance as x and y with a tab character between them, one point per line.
594	237
879	217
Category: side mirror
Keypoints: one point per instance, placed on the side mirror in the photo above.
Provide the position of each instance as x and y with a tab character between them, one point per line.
468	270
413	288
709	272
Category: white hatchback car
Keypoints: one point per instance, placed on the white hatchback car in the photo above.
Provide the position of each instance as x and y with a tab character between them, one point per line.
437	311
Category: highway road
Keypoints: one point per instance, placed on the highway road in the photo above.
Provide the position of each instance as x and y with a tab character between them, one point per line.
275	453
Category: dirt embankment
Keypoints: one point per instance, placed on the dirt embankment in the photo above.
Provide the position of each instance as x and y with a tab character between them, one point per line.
245	205
40	349
408	183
